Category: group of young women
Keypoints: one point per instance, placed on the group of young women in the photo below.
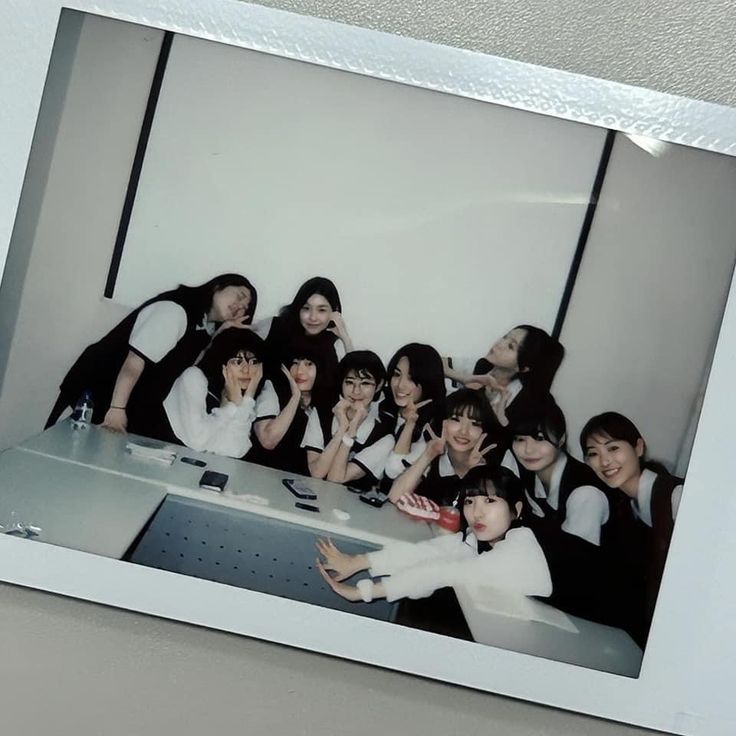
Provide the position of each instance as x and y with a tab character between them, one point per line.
190	366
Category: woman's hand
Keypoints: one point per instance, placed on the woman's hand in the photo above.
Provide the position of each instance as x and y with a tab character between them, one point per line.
256	375
340	410
341	564
359	415
477	456
232	389
340	329
436	445
242	323
293	385
348	592
116	420
411	411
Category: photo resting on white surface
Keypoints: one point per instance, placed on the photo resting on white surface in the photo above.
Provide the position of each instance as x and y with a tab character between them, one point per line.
369	346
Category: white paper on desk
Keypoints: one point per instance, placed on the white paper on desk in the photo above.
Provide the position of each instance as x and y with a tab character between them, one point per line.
491	600
159	454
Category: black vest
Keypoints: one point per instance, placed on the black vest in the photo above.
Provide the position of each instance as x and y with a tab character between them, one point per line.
98	366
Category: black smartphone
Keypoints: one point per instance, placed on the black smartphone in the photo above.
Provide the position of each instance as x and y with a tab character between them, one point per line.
194	461
306	506
213	481
300	489
374	498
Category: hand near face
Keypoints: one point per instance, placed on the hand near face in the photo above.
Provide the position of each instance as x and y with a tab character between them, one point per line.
411	410
340	328
295	390
359	415
232	385
477	456
436	445
116	420
340	410
256	375
341	564
242	323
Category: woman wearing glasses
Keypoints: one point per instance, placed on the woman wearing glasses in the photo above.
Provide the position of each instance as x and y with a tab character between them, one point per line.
212	405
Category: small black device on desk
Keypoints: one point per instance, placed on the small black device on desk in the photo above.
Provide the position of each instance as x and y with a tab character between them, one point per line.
299	489
213	481
193	461
374	498
307	506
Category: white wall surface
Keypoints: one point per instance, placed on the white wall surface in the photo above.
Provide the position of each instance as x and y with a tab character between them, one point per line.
649	300
100	671
62	246
441	219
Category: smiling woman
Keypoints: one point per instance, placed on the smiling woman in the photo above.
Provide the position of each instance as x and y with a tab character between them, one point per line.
131	370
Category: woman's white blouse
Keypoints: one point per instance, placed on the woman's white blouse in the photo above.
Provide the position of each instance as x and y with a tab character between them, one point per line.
516	564
224	431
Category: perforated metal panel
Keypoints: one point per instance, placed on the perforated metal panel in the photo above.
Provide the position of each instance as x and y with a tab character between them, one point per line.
249	551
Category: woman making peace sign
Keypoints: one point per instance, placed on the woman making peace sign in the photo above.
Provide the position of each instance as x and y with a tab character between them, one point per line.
447	458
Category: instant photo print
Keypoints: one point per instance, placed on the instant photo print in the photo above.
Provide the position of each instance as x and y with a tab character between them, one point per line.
449	199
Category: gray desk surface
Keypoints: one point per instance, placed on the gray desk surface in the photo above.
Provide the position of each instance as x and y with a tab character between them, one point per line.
105	451
89	510
106	483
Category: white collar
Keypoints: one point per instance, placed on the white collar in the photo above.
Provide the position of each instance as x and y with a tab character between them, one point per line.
366	426
553	495
512	391
445	467
642	504
206	325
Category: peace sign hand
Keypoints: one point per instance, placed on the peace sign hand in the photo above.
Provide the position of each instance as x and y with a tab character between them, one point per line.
411	410
477	456
436	445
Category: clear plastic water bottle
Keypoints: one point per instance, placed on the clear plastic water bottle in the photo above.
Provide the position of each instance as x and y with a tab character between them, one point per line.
82	414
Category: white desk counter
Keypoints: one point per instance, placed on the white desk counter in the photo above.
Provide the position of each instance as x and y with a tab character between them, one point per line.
87	509
102	450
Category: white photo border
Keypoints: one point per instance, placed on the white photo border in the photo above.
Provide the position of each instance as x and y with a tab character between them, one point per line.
684	682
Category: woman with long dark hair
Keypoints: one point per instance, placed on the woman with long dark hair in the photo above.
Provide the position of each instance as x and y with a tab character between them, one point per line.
413	397
647	497
314	315
131	370
516	372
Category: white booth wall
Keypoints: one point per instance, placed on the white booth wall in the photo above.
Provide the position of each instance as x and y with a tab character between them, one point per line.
441	220
647	360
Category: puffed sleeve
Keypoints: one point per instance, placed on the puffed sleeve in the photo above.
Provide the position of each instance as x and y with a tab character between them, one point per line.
585	513
157	329
224	431
516	564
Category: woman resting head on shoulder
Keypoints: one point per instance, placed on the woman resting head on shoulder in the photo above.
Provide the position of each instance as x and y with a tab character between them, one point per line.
131	370
518	368
413	396
314	313
211	406
614	448
492	550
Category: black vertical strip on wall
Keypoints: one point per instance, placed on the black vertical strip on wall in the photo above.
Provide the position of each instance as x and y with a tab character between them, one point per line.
584	232
135	171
